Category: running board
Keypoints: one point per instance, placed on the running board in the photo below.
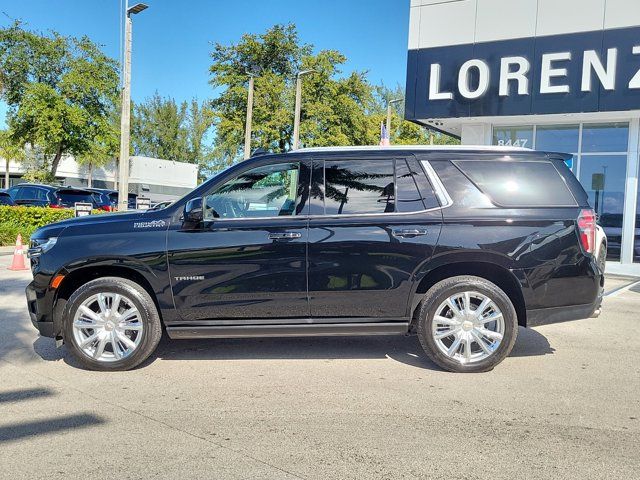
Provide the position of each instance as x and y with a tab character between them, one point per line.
306	330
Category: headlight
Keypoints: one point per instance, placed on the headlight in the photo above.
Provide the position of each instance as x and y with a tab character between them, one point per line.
38	246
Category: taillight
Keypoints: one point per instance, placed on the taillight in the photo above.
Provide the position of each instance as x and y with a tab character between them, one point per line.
106	208
55	205
587	230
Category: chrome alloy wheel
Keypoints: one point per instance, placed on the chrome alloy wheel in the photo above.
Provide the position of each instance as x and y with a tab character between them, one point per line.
107	327
468	327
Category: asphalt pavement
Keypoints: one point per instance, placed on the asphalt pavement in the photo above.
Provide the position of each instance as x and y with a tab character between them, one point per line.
564	405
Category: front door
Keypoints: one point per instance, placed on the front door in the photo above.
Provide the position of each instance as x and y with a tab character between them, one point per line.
247	262
375	222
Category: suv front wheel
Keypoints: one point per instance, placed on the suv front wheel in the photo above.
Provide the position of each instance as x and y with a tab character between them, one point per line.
467	324
111	324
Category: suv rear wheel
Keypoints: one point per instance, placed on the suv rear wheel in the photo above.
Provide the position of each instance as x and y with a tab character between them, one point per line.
111	324
467	324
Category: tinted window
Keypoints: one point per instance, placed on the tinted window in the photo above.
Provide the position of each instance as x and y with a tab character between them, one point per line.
13	191
268	191
359	186
5	199
519	183
28	193
414	192
71	197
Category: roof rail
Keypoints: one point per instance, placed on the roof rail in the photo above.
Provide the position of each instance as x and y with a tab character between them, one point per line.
259	151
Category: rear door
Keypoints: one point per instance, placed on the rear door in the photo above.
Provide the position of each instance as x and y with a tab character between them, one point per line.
374	223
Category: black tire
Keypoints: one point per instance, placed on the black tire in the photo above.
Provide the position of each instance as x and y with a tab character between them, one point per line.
601	259
448	287
152	327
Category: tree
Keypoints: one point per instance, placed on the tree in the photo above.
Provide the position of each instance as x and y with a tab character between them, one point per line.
105	146
199	123
337	109
59	91
10	149
162	128
158	128
402	131
275	57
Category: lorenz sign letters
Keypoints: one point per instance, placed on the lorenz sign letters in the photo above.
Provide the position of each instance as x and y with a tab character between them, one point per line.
517	70
580	72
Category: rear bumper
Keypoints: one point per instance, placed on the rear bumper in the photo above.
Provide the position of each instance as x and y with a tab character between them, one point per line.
545	316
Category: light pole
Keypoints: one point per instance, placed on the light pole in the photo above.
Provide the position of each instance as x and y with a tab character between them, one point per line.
296	119
391	102
125	118
247	127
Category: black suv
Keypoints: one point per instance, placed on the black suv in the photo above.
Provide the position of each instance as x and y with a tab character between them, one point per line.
459	245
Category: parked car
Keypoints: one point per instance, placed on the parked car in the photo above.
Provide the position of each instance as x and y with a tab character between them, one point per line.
112	195
102	200
67	197
458	245
32	194
5	198
35	195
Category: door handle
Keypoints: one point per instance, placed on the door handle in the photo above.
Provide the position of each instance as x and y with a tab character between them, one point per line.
284	235
409	232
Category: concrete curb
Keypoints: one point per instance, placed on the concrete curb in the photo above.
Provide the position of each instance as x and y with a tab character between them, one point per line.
7	250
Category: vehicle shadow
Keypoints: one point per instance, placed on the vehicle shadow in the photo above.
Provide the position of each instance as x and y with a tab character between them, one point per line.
17	431
14	431
403	349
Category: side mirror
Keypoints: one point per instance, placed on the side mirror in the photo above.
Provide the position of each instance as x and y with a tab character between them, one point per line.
193	216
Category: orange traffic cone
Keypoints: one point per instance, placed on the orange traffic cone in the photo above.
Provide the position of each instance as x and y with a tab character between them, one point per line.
18	256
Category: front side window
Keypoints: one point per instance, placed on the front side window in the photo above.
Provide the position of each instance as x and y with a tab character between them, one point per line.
359	186
267	191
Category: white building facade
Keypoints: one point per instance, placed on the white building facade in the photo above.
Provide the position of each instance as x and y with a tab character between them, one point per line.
556	75
153	178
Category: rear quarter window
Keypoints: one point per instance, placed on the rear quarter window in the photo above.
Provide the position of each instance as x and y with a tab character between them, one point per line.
519	183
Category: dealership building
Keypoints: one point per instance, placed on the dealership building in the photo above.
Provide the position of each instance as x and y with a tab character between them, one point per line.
556	75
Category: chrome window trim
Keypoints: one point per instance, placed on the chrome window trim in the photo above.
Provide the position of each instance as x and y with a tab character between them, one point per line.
438	186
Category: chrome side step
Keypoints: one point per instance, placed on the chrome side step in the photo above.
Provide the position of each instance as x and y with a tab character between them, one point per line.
303	330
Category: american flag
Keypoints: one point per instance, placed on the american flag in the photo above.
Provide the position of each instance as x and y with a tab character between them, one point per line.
384	135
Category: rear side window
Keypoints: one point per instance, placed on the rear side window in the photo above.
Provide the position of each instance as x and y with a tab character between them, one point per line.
359	186
519	183
413	189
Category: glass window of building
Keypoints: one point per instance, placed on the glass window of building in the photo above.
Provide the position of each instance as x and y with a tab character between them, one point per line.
605	137
558	138
603	177
521	136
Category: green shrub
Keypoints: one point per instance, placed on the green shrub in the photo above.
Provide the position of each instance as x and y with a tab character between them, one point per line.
25	220
9	232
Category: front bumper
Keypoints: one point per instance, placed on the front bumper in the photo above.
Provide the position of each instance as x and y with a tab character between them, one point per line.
41	315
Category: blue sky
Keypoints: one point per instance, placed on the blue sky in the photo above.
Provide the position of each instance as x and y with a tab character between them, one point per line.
173	38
